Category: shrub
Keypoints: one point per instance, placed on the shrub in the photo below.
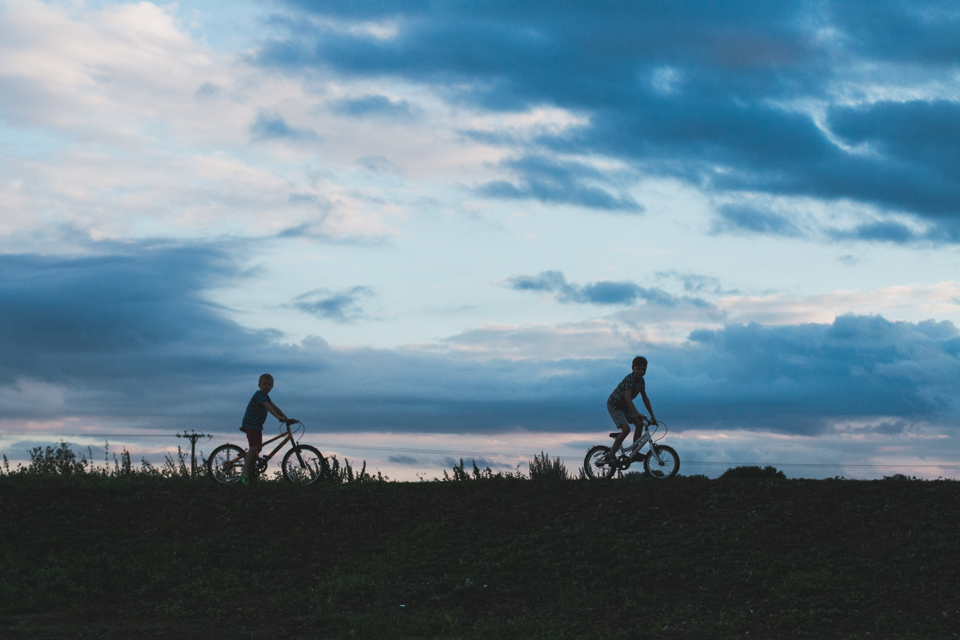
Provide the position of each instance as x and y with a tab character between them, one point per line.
769	473
59	461
543	468
899	477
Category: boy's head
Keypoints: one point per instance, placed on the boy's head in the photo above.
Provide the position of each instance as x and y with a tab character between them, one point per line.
639	365
266	383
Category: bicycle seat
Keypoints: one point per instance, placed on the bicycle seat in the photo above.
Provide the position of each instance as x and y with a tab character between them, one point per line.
614	434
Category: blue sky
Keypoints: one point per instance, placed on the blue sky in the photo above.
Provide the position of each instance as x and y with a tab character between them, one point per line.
447	228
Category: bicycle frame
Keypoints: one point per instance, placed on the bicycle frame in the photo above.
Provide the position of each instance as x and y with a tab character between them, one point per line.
645	440
287	437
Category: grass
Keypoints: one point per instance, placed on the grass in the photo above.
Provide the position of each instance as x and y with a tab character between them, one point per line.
107	556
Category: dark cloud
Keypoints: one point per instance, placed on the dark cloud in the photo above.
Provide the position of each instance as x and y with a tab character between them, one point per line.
796	378
274	127
373	105
694	91
605	292
552	181
339	306
753	220
134	328
883	231
404	460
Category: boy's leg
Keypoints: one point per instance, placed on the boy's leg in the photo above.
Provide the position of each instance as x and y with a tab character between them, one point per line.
637	421
254	442
619	419
624	432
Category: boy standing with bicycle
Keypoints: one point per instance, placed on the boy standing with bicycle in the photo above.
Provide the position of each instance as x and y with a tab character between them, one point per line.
623	411
253	420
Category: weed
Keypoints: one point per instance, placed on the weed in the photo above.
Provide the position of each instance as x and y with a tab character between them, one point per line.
345	474
460	473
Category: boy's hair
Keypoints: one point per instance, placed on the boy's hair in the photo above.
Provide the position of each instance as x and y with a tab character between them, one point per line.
639	360
265	376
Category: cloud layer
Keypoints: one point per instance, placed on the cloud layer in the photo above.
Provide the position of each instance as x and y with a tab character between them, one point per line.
131	335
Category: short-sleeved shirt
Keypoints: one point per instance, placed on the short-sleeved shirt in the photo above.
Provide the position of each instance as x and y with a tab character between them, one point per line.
632	383
256	413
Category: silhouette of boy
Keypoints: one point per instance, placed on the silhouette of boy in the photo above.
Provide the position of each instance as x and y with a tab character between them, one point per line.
621	408
253	421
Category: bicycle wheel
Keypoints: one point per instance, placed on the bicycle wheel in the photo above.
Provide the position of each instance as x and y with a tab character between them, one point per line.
225	464
303	464
668	465
594	465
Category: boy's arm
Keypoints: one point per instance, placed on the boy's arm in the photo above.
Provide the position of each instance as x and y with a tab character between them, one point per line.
646	403
275	410
631	406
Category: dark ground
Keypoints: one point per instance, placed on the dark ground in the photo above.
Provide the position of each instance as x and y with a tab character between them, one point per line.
95	557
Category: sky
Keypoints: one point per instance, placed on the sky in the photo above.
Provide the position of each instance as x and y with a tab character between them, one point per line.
446	228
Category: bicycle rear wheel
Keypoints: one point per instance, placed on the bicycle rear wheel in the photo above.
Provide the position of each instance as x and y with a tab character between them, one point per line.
594	466
225	464
303	464
666	467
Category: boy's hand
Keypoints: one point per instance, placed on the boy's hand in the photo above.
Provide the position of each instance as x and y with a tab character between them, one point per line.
291	421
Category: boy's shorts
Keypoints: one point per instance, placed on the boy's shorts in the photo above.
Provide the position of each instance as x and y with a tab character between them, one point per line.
254	437
621	418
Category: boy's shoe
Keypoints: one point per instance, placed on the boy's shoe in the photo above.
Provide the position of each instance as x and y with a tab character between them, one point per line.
245	479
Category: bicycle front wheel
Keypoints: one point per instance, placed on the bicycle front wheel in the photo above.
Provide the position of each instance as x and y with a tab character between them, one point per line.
666	467
594	465
303	464
225	464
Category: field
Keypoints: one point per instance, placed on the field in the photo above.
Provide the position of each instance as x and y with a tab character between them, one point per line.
111	557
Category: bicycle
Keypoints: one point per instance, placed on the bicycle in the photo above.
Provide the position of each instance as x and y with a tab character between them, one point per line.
660	462
303	464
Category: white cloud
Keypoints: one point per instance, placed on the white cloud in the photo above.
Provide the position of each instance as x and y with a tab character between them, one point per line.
901	302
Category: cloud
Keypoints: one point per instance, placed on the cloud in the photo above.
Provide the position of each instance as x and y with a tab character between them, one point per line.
556	182
787	101
339	306
274	127
374	105
884	231
605	292
914	301
858	365
208	91
753	220
378	164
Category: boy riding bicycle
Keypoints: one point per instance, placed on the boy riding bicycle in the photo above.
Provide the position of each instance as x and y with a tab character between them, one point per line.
623	411
253	420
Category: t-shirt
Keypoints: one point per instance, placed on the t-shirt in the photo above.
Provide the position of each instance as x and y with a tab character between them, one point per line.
633	384
256	414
